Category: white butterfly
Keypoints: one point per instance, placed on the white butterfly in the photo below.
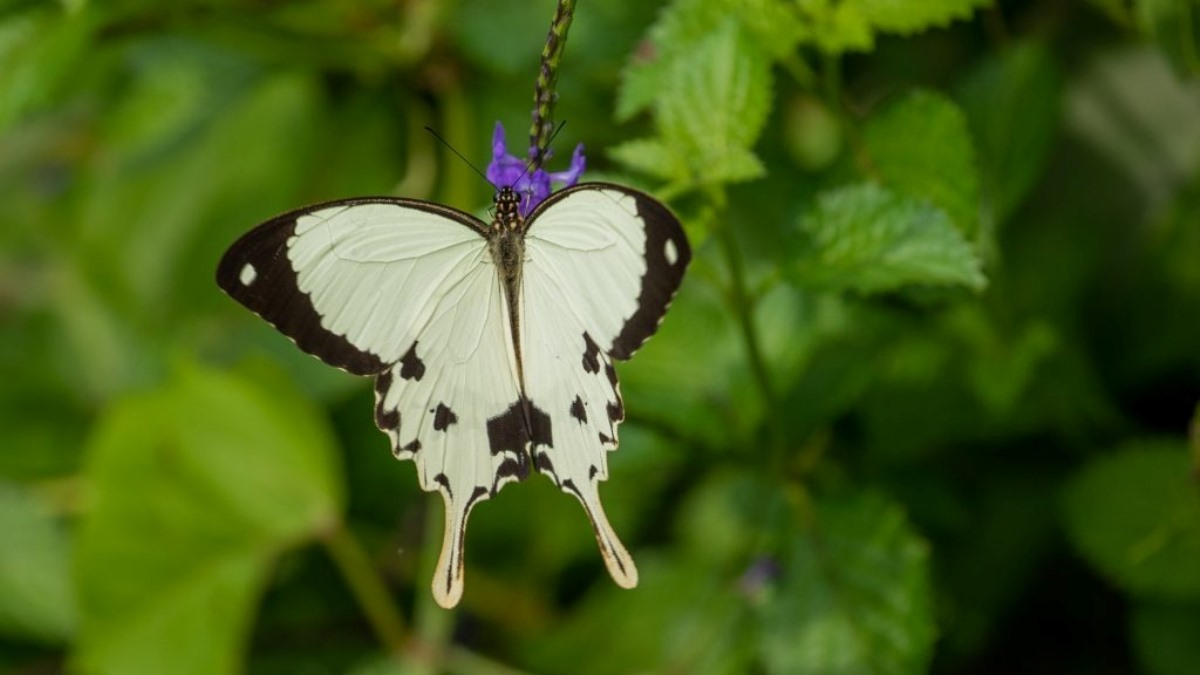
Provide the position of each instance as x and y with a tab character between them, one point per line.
491	345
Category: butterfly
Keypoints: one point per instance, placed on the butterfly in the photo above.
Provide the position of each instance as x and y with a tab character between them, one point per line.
491	344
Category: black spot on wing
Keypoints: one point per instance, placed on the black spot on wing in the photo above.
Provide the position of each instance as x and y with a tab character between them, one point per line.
507	431
540	431
511	468
411	366
616	411
441	479
518	426
542	461
611	373
275	295
592	471
443	417
578	411
414	446
591	355
386	420
606	439
478	493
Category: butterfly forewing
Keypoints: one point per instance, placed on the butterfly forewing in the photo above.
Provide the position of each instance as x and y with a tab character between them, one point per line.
351	282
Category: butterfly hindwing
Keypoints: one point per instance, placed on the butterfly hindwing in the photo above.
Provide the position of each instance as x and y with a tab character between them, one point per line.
602	263
452	405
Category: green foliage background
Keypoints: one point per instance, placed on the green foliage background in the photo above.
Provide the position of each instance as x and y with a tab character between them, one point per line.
922	403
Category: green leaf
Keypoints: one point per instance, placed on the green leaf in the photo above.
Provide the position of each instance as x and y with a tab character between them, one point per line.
194	489
854	596
851	25
920	146
651	157
1175	26
812	132
867	239
479	24
1135	114
683	618
1013	102
718	102
1135	516
695	364
39	52
912	16
36	600
775	28
1164	638
730	513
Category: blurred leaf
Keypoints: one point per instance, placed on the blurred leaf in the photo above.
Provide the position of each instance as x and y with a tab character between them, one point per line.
719	100
693	376
730	514
812	132
649	76
682	618
852	25
42	419
916	15
504	36
39	51
854	595
194	488
920	146
1164	637
36	598
1175	26
652	157
865	238
1135	516
1116	9
1131	109
1001	367
1013	102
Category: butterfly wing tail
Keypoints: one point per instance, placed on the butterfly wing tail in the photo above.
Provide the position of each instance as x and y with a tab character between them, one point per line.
448	578
618	561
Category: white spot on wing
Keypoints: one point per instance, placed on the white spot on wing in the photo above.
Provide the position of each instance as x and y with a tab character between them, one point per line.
671	253
248	274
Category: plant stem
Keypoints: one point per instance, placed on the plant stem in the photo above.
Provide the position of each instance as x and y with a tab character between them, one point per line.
544	95
434	625
743	309
366	586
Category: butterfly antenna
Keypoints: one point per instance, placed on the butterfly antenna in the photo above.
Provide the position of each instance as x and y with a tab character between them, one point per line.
464	159
541	152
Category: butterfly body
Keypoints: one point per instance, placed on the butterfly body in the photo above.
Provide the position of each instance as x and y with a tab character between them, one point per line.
492	345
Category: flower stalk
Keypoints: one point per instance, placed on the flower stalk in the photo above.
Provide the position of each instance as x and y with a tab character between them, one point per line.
544	95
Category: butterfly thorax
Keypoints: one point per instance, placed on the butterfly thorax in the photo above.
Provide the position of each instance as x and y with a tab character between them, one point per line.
506	235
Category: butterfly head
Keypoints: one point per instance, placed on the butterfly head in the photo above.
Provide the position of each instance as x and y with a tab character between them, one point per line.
530	183
507	205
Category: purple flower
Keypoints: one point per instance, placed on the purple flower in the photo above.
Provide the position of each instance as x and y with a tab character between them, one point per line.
758	578
505	170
